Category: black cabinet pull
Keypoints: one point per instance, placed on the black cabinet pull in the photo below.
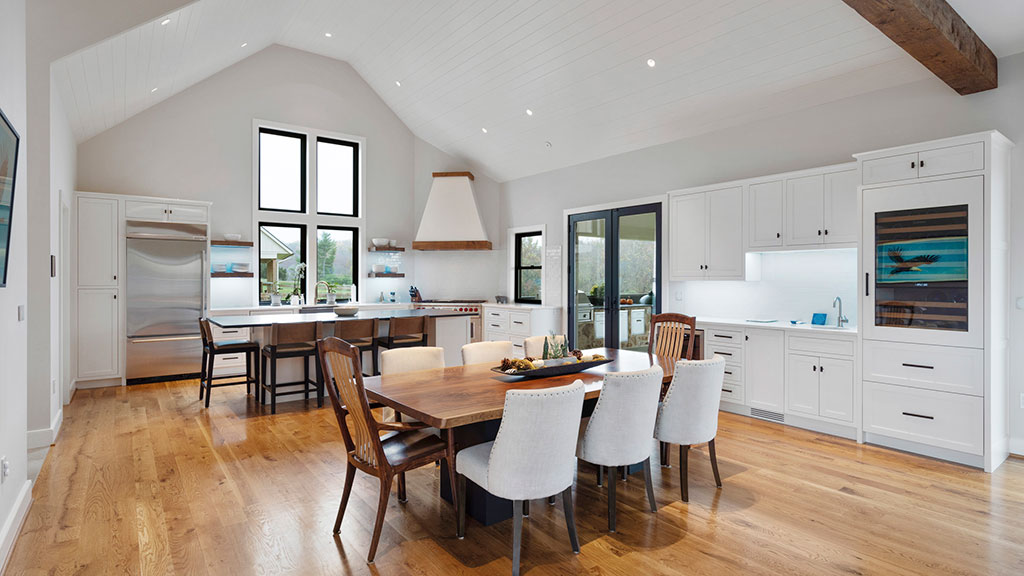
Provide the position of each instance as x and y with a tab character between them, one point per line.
115	296
814	368
778	234
821	368
819	232
920	164
919	366
726	390
746	338
729	373
826	231
723	336
912	415
723	353
913	165
867	283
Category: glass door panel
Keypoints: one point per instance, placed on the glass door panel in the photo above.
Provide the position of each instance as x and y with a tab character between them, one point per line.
637	278
589	238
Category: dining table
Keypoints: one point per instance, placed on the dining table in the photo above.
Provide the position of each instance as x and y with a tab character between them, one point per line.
466	404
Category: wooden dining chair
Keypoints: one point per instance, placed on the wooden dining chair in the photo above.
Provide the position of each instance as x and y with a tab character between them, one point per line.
361	333
290	341
212	349
406	445
402	333
673	336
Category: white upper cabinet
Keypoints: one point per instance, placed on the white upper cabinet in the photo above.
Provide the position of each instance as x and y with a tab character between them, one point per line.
97	242
707	235
688	236
842	215
188	213
805	210
924	164
725	233
890	169
164	212
764	206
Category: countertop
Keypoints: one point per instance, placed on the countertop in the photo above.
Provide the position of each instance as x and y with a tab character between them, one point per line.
519	306
778	325
263	320
279	309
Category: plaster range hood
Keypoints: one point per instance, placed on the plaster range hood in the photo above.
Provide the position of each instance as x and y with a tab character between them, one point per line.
451	220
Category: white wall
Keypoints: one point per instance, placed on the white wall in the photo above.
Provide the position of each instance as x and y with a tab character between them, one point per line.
826	134
14	492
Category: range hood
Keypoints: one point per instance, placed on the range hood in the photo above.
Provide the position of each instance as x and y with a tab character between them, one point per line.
451	220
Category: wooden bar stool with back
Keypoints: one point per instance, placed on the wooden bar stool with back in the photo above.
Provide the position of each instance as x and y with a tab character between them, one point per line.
360	333
212	349
290	341
402	333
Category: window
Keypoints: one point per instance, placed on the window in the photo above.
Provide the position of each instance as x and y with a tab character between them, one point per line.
528	267
336	261
282	171
282	260
337	177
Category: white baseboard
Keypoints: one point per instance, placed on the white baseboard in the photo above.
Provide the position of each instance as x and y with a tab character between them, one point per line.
12	524
1017	446
46	436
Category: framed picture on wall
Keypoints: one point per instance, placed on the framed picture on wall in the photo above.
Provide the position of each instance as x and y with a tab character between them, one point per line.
8	171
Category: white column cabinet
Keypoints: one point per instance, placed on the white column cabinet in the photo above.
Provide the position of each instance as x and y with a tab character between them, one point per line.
764	354
765	210
98	224
688	237
805	210
706	235
97	335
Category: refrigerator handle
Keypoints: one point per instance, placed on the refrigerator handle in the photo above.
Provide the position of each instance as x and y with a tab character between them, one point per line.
205	273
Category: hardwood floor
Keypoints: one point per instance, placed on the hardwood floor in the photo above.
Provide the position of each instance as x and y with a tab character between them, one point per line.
144	481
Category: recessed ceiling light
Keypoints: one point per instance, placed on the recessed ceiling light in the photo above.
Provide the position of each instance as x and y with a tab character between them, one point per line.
328	34
398	83
529	112
153	90
651	63
484	130
244	44
165	22
547	144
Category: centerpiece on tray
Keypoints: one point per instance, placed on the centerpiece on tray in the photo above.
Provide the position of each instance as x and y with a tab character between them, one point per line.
557	360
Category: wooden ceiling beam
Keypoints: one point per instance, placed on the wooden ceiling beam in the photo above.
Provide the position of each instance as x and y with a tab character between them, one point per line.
932	32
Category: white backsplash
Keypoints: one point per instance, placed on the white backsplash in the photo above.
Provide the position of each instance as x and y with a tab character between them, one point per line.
793	286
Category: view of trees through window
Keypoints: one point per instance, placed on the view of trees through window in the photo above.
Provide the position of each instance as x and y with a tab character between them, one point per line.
281	253
335	261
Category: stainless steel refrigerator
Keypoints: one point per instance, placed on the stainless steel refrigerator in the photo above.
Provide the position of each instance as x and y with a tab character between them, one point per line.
166	296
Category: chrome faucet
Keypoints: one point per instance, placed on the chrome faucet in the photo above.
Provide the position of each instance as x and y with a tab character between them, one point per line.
840	320
316	290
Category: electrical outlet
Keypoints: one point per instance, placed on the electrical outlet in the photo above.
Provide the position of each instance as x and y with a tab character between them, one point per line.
5	469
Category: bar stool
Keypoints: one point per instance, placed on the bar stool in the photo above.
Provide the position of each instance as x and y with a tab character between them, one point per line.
213	349
402	333
361	333
291	341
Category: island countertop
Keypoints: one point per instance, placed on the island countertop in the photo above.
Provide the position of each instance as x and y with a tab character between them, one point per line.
264	320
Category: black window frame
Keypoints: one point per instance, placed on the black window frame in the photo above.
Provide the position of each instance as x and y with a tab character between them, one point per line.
302	252
518	266
355	251
304	161
355	174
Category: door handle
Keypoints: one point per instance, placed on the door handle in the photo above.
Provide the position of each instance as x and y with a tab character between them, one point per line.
867	283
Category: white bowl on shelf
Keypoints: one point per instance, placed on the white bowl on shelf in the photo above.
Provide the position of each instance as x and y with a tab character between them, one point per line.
393	243
346	310
379	268
380	242
233	237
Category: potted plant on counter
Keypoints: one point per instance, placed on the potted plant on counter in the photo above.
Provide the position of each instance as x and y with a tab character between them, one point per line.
300	277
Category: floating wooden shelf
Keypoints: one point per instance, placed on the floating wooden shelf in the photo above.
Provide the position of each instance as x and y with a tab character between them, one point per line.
231	275
230	243
387	249
386	275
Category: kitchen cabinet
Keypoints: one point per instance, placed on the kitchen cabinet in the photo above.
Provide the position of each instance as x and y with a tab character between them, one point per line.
97	334
765	214
842	214
820	386
165	212
764	365
706	235
802	384
805	210
96	249
939	161
515	323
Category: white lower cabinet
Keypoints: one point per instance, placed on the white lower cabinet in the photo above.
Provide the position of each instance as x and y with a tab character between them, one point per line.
802	384
942	419
515	323
98	334
764	363
818	386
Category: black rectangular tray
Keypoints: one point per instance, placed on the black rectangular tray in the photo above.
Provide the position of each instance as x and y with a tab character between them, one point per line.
556	370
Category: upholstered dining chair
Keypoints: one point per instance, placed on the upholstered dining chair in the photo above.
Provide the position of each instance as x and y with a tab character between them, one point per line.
689	413
620	429
534	345
672	336
406	445
402	333
486	352
532	457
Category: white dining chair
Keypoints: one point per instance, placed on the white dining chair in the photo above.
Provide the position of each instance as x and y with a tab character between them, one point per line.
534	345
486	352
689	412
532	457
621	427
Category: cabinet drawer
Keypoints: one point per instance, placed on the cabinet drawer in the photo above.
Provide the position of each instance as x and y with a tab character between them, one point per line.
733	373
723	336
732	393
496	324
960	370
228	333
942	419
490	314
890	169
494	335
226	361
951	160
821	345
519	323
732	354
518	346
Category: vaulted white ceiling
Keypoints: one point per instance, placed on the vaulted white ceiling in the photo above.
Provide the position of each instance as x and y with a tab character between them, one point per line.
581	67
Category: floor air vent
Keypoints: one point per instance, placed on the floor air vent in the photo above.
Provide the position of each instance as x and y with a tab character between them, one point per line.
767	415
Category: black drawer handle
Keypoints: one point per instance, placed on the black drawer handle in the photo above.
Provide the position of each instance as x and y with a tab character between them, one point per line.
729	373
726	390
517	322
230	357
723	353
919	416
495	325
229	331
723	336
919	366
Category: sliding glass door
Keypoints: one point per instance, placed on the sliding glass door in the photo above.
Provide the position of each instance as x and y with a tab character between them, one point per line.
614	267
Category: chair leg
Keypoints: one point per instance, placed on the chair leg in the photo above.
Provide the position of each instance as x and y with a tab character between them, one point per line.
202	375
248	373
374	349
305	377
551	500
209	378
526	508
714	462
623	471
600	476
449	456
517	534
684	452
460	526
319	383
263	380
570	519
382	507
613	478
650	485
256	369
273	385
666	455
401	488
350	476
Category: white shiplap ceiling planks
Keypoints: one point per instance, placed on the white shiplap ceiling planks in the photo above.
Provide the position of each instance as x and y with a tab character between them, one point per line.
579	65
